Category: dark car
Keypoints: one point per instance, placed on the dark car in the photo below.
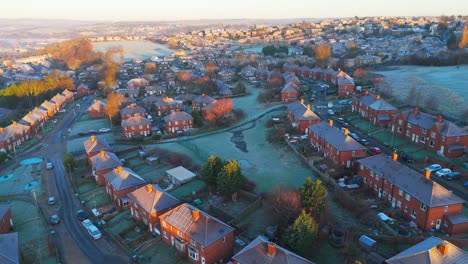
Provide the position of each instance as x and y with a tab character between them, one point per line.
452	176
405	157
81	215
55	219
83	133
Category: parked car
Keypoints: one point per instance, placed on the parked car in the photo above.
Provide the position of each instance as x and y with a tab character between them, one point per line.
340	120
51	200
104	130
94	232
364	141
87	223
376	150
443	172
49	165
343	102
433	167
466	184
62	111
353	135
92	131
81	215
330	112
405	157
320	107
347	125
55	219
452	176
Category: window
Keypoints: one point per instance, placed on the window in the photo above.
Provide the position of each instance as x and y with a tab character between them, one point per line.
413	214
431	143
224	239
202	249
399	129
424	131
408	133
433	134
375	187
371	174
384	193
164	224
408	197
193	242
362	167
398	204
446	208
176	123
406	209
458	139
409	125
193	253
165	234
365	180
423	140
141	127
446	224
443	139
133	127
353	153
389	197
377	176
400	192
400	122
125	203
385	181
423	207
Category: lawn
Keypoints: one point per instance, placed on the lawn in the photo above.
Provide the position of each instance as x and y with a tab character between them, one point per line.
185	191
152	173
22	176
255	223
84	125
160	252
120	222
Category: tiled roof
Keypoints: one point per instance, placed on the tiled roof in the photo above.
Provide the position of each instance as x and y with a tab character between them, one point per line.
97	106
156	200
424	190
95	143
458	218
135	121
132	109
289	88
257	252
12	130
30	118
449	129
301	112
205	230
9	248
335	137
420	119
178	116
345	81
427	252
203	99
122	178
105	160
371	101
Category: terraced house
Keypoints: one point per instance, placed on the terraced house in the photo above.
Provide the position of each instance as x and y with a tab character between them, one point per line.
178	122
422	201
102	164
200	236
120	182
373	108
12	136
431	132
301	116
132	110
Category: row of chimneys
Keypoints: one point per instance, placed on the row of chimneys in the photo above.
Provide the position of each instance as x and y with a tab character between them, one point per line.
439	118
427	172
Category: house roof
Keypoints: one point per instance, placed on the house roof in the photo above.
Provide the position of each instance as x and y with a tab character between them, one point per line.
335	137
458	218
371	101
181	173
122	178
30	118
12	130
248	68
135	121
257	252
290	87
132	109
95	143
97	106
178	116
302	112
9	248
428	252
345	81
105	160
424	190
426	121
203	99
152	198
205	230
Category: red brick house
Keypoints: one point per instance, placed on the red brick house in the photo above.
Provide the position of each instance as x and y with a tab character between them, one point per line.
290	67
49	107
345	85
149	202
94	145
6	220
431	132
200	102
136	126
178	121
336	146
120	182
102	164
261	74
166	105
301	116
421	200
68	95
34	120
96	110
455	224
248	72
275	77
260	250
132	110
316	73
304	72
84	90
197	235
13	136
373	109
289	93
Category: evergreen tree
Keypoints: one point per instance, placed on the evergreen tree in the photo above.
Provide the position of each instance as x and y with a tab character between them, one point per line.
230	179
301	235
69	161
197	119
211	170
313	195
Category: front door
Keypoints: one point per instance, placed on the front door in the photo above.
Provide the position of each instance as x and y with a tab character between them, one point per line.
441	151
437	224
380	193
348	163
412	138
172	240
203	260
416	139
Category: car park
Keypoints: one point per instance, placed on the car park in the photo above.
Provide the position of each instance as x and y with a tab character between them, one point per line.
51	200
433	167
376	150
452	176
443	172
81	215
94	232
55	219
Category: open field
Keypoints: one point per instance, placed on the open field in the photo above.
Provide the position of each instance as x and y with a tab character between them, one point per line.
135	49
86	125
22	180
447	84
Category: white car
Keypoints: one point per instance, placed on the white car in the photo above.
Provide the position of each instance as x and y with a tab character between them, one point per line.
94	232
49	165
330	112
104	130
443	172
433	167
87	223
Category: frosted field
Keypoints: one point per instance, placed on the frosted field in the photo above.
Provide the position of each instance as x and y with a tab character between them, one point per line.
448	84
138	49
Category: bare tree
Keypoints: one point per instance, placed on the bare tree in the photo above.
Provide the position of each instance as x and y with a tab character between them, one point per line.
112	106
431	103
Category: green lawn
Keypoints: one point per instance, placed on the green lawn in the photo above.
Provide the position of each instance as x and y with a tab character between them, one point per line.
120	222
185	191
160	252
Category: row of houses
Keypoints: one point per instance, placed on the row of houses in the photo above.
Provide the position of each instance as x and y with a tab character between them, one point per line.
15	134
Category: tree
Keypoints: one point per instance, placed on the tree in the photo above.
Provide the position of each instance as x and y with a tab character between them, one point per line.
464	38
112	106
218	109
211	68
269	50
322	52
230	179
313	195
197	119
286	204
211	170
301	235
184	76
452	41
150	68
309	49
69	161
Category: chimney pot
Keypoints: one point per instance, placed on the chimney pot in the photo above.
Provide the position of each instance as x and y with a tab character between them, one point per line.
330	122
443	247
1	130
119	169
271	248
395	156
302	100
93	138
195	214
346	131
377	97
14	123
415	110
308	106
366	92
428	174
149	188
154	214
102	153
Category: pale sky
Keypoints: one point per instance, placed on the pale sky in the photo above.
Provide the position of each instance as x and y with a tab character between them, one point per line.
125	10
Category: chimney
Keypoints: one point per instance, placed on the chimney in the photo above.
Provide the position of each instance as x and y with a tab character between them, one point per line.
149	188
195	214
395	156
93	138
14	123
443	247
377	97
203	95
439	119
302	100
271	248
1	130
119	169
366	92
428	174
415	110
35	108
95	101
30	113
154	214
308	106
330	122
346	131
